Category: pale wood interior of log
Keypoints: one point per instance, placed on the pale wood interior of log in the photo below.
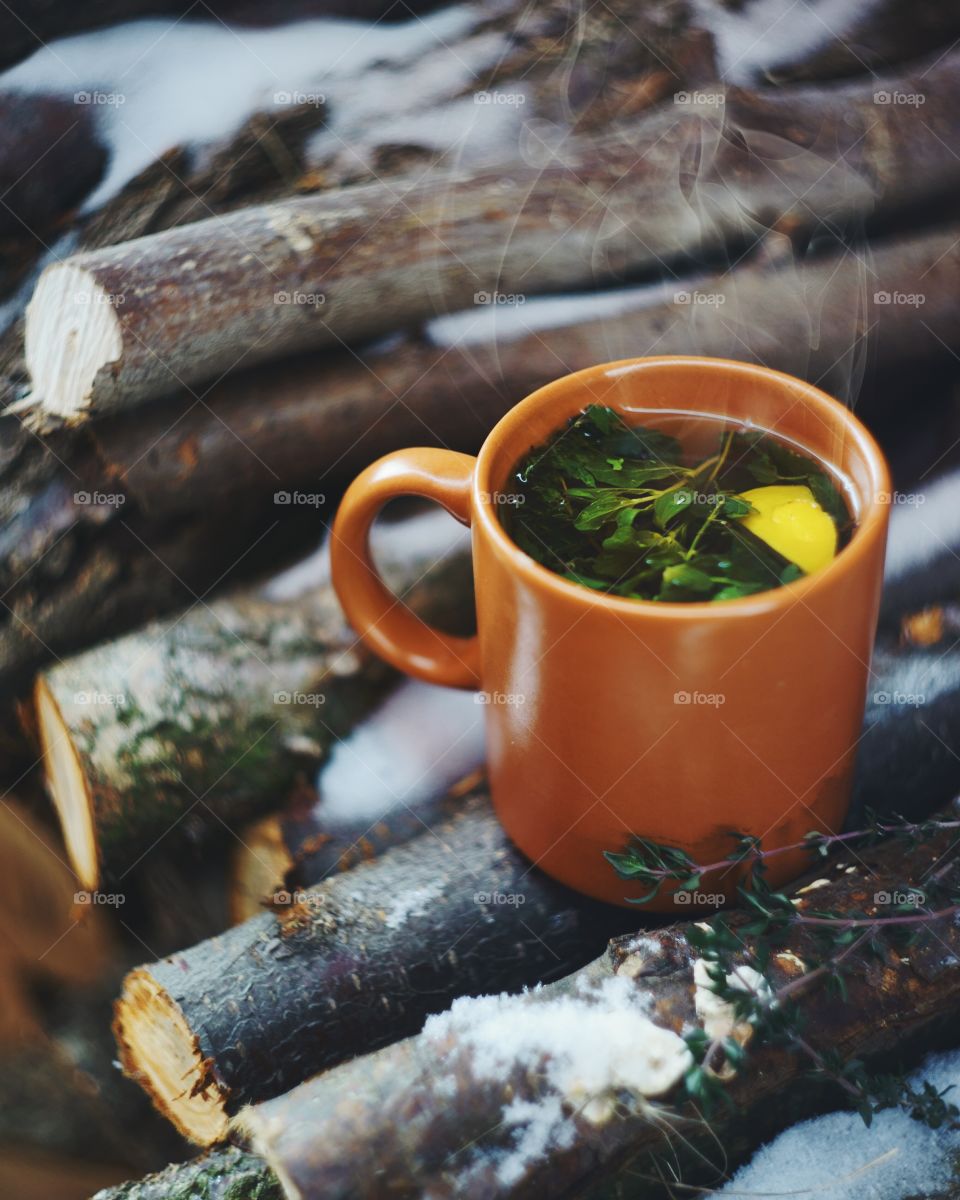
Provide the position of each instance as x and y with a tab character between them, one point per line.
153	1033
260	864
71	333
68	788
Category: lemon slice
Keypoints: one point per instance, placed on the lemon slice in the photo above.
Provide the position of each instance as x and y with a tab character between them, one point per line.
789	520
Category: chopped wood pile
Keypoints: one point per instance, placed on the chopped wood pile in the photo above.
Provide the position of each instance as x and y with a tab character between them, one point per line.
263	935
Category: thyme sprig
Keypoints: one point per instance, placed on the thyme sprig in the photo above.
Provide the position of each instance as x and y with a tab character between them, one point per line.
837	941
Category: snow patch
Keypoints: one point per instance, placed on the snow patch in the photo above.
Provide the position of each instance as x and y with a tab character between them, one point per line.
837	1157
155	84
920	533
416	745
586	1049
754	38
510	322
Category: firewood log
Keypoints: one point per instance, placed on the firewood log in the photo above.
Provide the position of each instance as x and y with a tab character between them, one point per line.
561	1090
116	327
213	717
352	963
221	1174
73	574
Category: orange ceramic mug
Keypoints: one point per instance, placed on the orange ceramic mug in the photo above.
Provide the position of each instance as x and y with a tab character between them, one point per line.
610	717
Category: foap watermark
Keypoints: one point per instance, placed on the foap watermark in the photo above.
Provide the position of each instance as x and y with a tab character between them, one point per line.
905	99
109	699
908	499
499	498
100	499
499	298
699	899
506	99
913	898
105	99
300	499
906	299
317	99
700	497
512	699
310	699
304	299
511	899
113	299
284	899
108	899
706	699
908	699
709	299
700	99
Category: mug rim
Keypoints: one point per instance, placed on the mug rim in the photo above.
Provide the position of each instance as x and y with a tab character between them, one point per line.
871	521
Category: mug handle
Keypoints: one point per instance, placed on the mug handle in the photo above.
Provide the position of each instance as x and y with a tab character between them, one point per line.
381	619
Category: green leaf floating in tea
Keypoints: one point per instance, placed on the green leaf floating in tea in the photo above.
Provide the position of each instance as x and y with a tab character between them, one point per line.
620	509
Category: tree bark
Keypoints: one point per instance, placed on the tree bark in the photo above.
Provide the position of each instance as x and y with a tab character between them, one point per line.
350	964
430	1116
212	718
126	324
223	1174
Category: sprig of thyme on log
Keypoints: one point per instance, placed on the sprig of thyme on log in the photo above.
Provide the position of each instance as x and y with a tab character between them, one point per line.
765	1013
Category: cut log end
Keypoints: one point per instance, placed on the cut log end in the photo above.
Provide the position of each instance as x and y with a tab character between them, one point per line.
68	788
260	865
71	333
159	1050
